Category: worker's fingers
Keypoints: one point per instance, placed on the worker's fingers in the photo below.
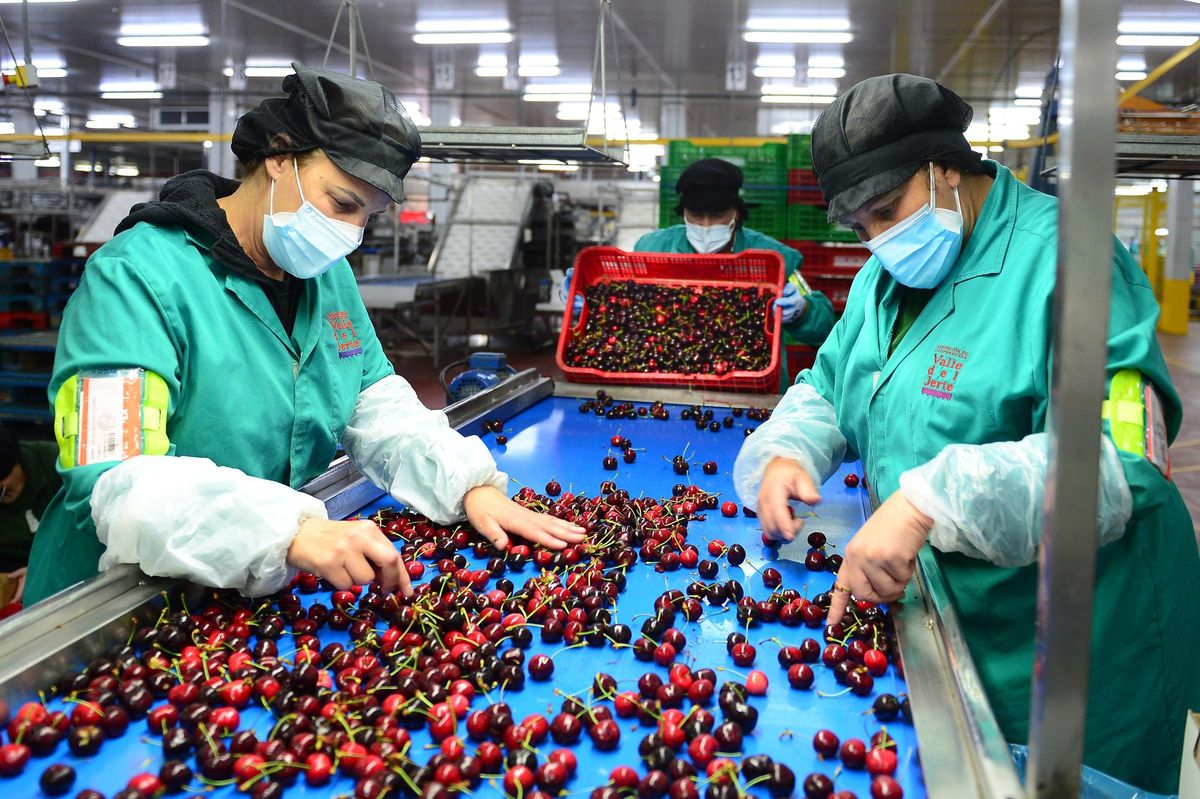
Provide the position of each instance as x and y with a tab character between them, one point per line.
774	512
359	569
338	577
801	487
838	602
559	528
532	531
390	571
882	584
490	529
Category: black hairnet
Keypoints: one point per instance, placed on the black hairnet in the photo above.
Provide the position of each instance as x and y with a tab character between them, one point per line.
358	123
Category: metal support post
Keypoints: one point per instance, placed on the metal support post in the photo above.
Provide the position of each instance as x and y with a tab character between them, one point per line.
1086	122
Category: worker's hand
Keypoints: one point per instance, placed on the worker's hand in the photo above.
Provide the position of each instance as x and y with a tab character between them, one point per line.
564	291
495	516
348	553
784	480
882	556
792	303
19	576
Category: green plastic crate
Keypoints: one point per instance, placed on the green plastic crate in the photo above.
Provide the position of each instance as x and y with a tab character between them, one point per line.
770	220
799	151
808	223
682	153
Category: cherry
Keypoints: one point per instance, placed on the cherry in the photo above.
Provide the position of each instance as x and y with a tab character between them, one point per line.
875	661
853	753
885	787
630	456
886	707
782	781
816	539
817	786
541	667
716	548
13	758
501	439
57	779
610	463
772	578
826	743
729	509
743	654
756	683
881	761
606	735
736	555
664	654
800	676
814	561
518	780
860	682
710	467
146	784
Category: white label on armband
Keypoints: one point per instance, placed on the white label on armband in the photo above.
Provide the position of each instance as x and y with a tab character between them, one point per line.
1156	432
110	424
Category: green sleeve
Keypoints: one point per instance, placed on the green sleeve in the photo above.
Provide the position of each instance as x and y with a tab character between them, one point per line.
114	320
1132	344
814	325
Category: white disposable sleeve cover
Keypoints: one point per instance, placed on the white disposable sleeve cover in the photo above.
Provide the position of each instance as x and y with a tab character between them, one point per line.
188	517
411	451
802	427
986	499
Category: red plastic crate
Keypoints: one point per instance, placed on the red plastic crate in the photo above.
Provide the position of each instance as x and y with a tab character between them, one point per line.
831	268
799	358
750	268
24	320
803	188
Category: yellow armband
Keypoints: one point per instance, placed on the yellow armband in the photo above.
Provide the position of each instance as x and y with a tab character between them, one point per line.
111	415
1135	418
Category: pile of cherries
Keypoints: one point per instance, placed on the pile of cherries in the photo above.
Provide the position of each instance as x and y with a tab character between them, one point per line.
690	330
441	660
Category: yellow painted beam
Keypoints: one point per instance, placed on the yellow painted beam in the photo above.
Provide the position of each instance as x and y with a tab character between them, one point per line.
1173	318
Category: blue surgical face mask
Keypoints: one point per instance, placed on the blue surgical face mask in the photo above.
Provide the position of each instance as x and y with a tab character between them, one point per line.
305	243
920	250
706	239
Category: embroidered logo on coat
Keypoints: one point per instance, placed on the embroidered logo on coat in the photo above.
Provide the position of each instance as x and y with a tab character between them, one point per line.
344	335
943	374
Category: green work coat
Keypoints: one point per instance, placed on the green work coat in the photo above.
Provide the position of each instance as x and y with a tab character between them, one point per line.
243	392
993	317
41	481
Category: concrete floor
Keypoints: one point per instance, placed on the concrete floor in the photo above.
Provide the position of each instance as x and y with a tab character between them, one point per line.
1182	354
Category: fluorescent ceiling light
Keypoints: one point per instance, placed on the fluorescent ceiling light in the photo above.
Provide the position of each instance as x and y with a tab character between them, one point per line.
128	86
775	60
227	72
1173	26
798	24
49	106
1028	91
53	161
131	95
1135	63
1139	40
774	72
817	89
1131	75
832	61
1161	231
555	98
465	37
995	148
162	41
491	72
534	71
462	25
826	72
538	60
7	128
1027	102
110	121
797	37
127	171
269	71
51	72
559	167
1135	190
797	99
180	28
492	60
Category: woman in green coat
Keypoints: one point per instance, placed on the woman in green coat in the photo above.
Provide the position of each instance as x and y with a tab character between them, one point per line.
938	377
217	351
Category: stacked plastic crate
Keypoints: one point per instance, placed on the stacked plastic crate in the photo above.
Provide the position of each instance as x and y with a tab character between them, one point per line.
832	254
764	188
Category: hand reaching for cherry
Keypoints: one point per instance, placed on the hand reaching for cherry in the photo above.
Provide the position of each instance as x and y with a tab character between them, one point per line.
783	481
495	516
882	556
348	553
